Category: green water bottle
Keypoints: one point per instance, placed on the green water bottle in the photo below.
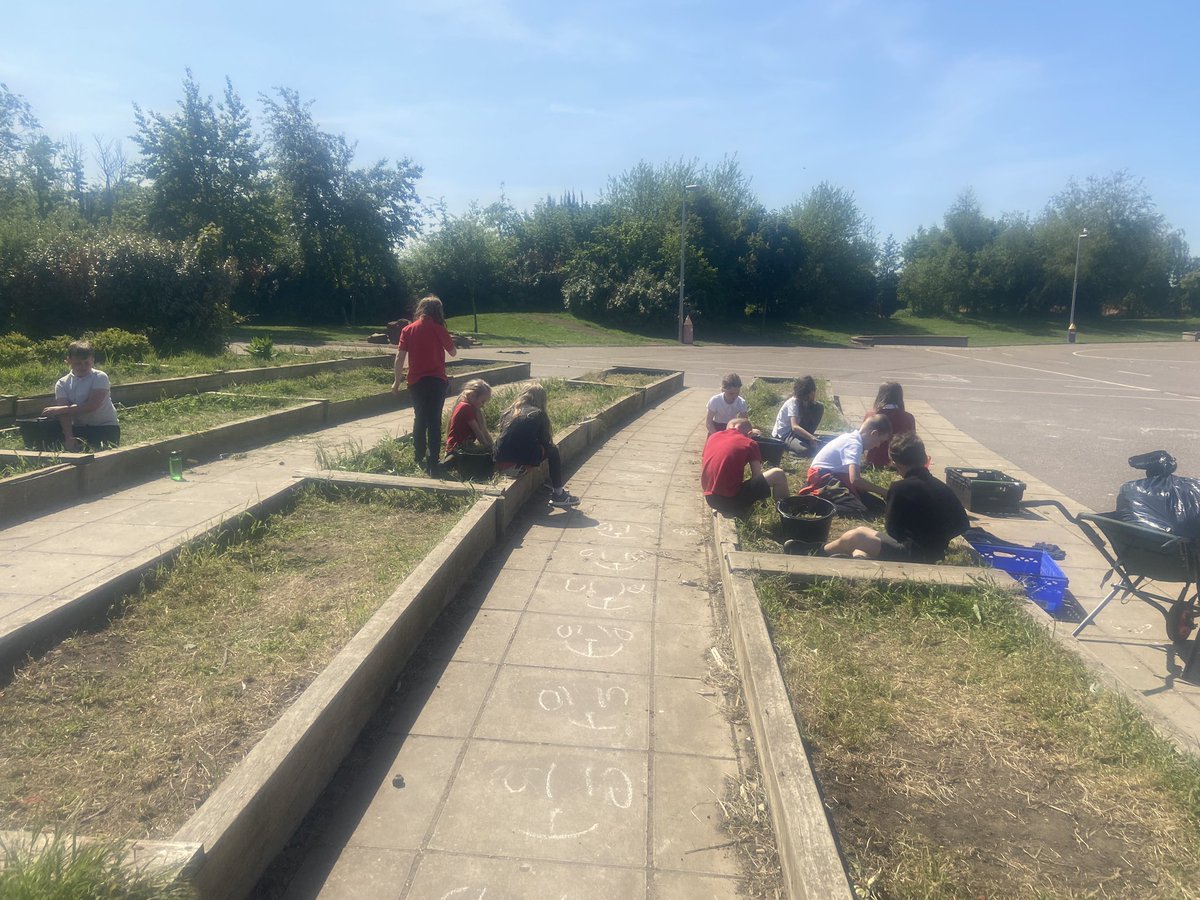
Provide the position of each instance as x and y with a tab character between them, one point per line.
175	466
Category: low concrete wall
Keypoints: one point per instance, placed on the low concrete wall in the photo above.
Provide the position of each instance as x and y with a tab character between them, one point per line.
808	851
908	340
38	490
133	393
1191	335
670	382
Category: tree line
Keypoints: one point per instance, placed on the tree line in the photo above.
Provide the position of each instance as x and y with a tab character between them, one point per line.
213	220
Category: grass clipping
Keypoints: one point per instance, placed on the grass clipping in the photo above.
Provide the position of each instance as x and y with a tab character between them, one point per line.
964	753
126	730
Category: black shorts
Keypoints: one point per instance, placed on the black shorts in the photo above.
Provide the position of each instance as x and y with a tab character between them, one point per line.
893	550
752	490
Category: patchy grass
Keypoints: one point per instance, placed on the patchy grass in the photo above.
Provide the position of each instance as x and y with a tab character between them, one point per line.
364	382
127	729
963	753
568	404
36	379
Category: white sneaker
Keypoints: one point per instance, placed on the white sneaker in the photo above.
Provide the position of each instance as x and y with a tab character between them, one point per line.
564	499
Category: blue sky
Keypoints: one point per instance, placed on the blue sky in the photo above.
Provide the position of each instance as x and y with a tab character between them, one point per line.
904	103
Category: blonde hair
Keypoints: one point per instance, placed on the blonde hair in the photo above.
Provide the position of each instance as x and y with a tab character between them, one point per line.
532	398
474	388
431	305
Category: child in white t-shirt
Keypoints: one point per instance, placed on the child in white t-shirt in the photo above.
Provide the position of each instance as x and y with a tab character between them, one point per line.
841	458
83	405
726	406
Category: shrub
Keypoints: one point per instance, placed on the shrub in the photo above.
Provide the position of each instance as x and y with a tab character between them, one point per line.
53	349
116	343
173	292
15	349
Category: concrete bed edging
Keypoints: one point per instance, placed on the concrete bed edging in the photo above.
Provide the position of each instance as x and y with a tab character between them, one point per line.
107	470
812	862
261	802
670	383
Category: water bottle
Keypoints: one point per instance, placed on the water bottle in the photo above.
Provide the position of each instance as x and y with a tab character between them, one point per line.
175	466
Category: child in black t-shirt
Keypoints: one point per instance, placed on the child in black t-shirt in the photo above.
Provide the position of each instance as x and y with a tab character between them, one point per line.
923	515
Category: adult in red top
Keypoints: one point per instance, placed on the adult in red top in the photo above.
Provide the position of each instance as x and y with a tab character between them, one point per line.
889	402
723	466
424	345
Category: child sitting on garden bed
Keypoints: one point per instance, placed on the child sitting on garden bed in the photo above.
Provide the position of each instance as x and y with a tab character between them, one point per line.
841	460
84	407
525	440
923	515
468	442
723	466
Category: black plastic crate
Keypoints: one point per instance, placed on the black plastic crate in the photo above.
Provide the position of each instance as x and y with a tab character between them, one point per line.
986	490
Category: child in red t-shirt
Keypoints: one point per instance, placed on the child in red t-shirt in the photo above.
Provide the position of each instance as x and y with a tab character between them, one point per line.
425	344
468	442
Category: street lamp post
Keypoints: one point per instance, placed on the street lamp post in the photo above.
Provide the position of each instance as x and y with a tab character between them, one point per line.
682	251
1075	287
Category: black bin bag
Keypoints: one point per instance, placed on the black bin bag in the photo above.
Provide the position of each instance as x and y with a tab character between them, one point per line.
1161	500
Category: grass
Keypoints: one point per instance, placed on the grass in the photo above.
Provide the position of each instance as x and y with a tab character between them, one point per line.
125	730
624	379
963	753
548	330
37	379
57	867
568	404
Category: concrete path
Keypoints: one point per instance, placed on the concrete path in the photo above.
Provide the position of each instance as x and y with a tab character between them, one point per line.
50	561
555	736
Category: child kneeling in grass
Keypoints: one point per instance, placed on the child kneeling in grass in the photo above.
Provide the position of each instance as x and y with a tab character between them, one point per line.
525	439
469	445
841	459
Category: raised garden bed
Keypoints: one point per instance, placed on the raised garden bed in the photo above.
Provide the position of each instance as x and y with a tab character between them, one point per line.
135	383
108	469
961	751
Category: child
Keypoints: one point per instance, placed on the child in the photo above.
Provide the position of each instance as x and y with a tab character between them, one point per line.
85	409
890	402
727	405
426	343
468	442
923	515
524	439
723	465
799	416
841	458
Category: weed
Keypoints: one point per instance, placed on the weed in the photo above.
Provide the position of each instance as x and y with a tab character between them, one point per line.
261	347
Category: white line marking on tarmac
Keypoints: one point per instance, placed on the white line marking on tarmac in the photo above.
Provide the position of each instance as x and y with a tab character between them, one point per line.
994	362
1138	374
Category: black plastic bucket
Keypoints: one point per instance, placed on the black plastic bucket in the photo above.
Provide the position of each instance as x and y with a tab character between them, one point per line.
805	518
471	466
771	449
42	433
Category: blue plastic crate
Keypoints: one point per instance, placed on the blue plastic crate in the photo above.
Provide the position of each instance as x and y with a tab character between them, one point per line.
1040	576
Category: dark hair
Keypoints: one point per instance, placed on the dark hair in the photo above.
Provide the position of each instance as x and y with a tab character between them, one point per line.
879	424
907	449
80	350
890	394
431	305
802	387
731	380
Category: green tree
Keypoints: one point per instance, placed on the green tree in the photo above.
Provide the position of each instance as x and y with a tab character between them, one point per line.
344	225
206	170
839	243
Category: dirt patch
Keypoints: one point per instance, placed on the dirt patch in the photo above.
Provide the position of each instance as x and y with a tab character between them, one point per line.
124	731
962	753
624	379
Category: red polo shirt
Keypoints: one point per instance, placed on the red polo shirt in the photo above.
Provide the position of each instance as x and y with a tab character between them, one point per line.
723	465
427	344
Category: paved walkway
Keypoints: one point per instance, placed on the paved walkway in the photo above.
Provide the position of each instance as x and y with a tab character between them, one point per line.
555	735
